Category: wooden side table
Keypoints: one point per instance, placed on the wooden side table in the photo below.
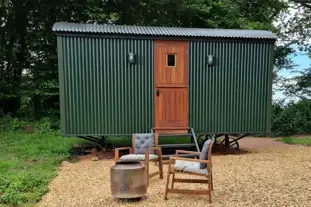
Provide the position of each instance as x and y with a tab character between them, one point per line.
128	180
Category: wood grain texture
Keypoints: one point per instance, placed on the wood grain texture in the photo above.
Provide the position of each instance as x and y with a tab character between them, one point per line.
171	76
145	162
208	176
172	107
171	131
171	87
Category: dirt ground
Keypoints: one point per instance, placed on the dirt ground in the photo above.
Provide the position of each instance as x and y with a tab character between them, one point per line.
271	174
260	143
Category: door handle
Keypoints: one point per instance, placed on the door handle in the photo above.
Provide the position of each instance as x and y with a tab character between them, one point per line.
158	92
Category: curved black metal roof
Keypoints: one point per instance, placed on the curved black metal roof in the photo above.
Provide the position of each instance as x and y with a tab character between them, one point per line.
162	31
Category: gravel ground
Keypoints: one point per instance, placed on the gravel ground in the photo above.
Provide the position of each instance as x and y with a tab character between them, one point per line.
265	177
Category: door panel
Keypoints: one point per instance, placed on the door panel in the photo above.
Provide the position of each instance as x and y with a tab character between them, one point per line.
172	107
171	86
167	75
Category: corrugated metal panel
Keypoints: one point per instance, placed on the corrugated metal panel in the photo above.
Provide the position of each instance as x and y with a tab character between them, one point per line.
102	93
233	95
61	83
162	31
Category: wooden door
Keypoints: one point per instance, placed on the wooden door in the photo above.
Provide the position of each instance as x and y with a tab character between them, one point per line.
171	86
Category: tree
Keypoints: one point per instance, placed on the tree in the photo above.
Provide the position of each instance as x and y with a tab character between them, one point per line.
299	86
28	61
296	24
296	30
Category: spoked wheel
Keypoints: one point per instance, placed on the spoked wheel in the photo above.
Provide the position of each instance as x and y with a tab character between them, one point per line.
202	138
230	142
234	143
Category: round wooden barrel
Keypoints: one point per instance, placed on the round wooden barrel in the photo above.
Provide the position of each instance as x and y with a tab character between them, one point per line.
128	180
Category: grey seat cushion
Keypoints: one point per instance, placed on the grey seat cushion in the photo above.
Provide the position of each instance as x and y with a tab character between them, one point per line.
137	157
204	152
188	166
143	142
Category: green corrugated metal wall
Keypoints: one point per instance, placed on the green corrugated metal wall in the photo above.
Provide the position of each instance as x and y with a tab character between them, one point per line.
233	95
101	93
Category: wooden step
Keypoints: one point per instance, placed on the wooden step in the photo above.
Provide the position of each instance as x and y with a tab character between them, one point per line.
174	135
171	130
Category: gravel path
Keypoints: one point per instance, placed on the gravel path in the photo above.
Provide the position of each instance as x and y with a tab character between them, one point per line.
265	177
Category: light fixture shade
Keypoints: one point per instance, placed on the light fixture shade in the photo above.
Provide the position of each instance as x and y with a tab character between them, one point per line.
210	60
131	57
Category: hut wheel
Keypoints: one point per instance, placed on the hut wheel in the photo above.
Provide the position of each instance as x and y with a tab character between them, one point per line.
233	142
201	139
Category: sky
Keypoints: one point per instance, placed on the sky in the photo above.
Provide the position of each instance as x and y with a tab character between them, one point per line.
300	59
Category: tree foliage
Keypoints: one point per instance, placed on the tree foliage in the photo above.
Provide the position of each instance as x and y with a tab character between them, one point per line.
298	86
295	28
28	61
292	118
28	53
296	25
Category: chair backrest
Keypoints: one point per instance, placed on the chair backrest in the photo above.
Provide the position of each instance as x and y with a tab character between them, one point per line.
142	141
209	155
206	152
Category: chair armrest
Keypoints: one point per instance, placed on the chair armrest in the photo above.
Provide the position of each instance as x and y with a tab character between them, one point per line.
186	159
158	150
186	152
117	150
189	159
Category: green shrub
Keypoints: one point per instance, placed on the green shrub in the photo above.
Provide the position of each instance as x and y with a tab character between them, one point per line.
43	126
290	119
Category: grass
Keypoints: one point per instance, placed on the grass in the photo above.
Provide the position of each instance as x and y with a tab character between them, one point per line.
298	141
28	161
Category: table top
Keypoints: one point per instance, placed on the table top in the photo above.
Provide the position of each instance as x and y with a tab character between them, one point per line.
127	165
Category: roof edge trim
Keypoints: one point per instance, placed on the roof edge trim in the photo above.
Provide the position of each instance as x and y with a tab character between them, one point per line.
161	31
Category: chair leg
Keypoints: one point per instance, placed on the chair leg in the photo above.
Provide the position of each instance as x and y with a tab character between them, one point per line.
167	183
210	190
147	171
161	168
173	178
212	187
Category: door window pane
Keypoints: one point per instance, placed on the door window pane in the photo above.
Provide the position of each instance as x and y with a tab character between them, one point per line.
171	60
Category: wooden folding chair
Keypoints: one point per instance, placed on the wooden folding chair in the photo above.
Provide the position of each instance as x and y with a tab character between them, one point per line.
199	167
144	149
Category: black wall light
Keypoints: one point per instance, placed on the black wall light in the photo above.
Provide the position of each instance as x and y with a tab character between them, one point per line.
210	59
131	58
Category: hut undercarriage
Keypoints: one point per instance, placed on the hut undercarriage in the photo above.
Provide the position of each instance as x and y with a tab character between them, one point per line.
222	141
